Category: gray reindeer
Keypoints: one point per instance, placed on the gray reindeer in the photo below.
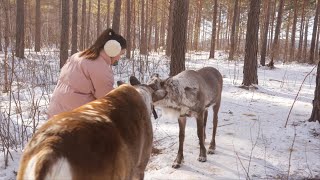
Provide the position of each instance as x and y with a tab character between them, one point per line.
189	94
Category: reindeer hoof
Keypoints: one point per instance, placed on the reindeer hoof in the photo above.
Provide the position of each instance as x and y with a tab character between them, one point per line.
202	159
211	151
176	165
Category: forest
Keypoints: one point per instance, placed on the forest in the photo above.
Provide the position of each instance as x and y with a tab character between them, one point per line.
266	50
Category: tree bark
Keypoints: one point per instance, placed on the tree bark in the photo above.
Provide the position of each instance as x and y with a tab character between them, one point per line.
88	37
316	53
314	34
251	49
155	24
169	30
197	25
233	31
299	54
98	19
74	38
143	36
315	114
83	25
214	27
275	45
134	25
285	53
64	43
149	24
128	53
219	27
20	29
108	13
1	29
37	40
116	16
265	34
274	5
293	32
163	26
5	4
179	36
305	43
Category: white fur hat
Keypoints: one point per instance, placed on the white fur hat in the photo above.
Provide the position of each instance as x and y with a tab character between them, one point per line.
112	48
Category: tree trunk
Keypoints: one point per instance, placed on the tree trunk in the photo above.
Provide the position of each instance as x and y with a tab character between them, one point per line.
233	31
265	34
314	34
316	57
5	4
83	25
20	29
275	45
28	29
64	45
1	29
108	13
250	60
74	38
299	54
37	40
88	37
285	53
98	19
190	31
179	36
162	27
169	30
149	24
116	16
214	27
237	37
219	27
128	53
274	5
155	24
134	25
197	25
315	114
293	32
305	43
143	36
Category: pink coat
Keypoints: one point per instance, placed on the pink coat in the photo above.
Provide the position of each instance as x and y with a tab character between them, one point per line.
81	81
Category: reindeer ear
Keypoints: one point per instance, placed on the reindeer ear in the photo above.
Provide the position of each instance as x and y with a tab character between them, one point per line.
134	81
119	83
158	95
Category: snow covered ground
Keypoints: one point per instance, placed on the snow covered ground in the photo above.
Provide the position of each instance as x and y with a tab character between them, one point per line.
252	141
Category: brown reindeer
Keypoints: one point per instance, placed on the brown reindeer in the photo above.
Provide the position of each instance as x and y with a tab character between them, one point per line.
109	138
190	93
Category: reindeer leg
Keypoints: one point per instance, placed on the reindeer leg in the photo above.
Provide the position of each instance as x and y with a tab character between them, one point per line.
205	124
214	129
179	158
200	122
146	151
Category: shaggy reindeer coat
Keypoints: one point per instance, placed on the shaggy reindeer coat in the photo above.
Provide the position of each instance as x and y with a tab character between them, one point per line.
110	138
190	93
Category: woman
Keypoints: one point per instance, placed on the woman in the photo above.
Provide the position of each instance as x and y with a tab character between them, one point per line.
87	75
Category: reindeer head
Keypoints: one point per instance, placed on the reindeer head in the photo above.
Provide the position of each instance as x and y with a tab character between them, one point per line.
177	93
145	91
